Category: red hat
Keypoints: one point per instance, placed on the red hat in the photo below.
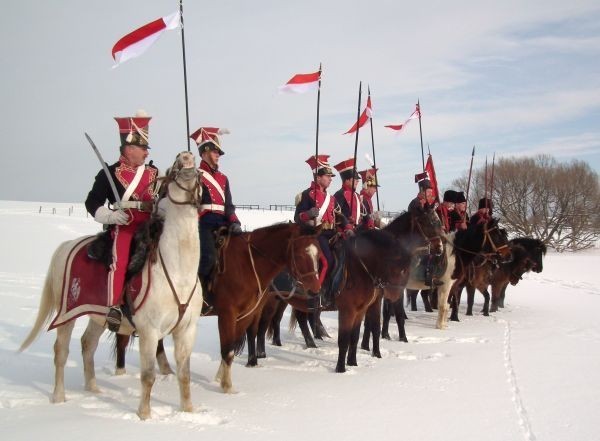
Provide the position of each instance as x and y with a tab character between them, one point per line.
369	177
133	130
319	165
345	168
206	139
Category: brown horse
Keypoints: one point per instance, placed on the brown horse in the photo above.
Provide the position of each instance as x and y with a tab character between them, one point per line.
479	249
247	264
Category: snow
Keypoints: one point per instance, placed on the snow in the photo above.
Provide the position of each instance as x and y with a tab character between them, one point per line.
528	372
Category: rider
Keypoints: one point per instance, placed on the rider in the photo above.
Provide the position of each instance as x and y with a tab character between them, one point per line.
369	180
135	184
424	201
458	217
346	197
446	209
216	209
316	207
484	213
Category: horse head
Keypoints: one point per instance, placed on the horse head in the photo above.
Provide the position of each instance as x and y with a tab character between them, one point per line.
536	250
182	183
416	229
495	240
302	255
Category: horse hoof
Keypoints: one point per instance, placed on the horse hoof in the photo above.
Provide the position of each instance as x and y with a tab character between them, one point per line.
120	371
386	336
469	313
404	339
261	355
143	415
187	408
365	347
428	310
455	319
340	370
251	364
377	354
276	343
93	389
486	314
167	371
57	399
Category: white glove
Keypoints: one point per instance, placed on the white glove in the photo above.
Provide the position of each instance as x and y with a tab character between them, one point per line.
106	216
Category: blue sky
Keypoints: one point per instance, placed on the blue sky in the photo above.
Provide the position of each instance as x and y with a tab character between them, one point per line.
512	78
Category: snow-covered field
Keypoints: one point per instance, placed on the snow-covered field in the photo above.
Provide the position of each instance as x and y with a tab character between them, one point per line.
528	372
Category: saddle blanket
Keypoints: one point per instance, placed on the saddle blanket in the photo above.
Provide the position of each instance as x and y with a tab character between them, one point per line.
85	290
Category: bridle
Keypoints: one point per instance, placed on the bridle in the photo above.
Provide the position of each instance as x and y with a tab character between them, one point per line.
193	193
488	238
428	239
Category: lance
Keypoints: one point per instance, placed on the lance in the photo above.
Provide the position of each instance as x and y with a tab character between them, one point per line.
470	170
373	149
355	151
317	136
421	133
486	184
106	171
187	111
492	179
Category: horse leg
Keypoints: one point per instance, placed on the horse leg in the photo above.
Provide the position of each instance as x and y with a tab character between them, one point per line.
227	337
276	323
320	328
374	316
412	296
486	303
122	341
302	318
470	299
496	293
148	342
366	334
425	293
443	293
251	339
161	358
400	316
344	335
61	353
387	314
184	342
354	336
263	325
433	298
89	343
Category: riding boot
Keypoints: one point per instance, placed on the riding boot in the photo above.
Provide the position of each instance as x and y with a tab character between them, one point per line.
207	296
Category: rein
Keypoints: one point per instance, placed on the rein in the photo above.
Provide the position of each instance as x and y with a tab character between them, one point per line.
181	307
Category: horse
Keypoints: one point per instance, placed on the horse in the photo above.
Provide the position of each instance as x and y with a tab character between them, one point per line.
478	250
171	306
416	232
528	254
247	263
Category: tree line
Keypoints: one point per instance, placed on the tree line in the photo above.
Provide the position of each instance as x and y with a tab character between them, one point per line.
558	203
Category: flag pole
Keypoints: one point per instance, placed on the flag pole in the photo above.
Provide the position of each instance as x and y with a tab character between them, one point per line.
373	149
421	133
470	170
486	183
187	111
355	151
317	136
492	179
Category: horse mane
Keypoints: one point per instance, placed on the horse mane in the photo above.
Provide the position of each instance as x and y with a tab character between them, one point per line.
530	243
305	230
401	223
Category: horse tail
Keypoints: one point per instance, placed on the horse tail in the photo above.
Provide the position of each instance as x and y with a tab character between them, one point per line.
239	345
293	321
45	312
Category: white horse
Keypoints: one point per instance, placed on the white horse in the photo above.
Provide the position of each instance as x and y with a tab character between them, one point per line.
443	290
174	282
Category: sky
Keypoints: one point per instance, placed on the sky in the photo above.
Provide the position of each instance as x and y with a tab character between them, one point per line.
512	78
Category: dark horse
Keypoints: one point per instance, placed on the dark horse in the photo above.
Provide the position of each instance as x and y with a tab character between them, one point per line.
528	255
478	249
416	232
247	263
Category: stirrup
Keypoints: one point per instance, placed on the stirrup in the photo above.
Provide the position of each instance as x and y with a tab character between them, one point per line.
113	318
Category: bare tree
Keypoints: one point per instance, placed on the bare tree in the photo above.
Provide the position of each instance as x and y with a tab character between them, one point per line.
558	203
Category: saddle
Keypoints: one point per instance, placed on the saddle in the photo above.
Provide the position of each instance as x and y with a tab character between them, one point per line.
144	246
